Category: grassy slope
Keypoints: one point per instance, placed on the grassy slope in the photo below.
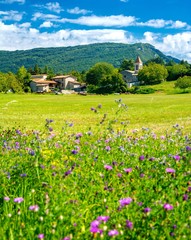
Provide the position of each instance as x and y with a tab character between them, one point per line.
156	111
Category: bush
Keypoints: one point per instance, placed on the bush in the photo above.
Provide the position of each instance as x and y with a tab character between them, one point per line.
142	90
183	82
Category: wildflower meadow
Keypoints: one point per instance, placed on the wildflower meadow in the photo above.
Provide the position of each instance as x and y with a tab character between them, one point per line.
107	182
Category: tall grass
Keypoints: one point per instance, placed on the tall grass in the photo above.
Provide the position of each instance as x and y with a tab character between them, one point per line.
103	182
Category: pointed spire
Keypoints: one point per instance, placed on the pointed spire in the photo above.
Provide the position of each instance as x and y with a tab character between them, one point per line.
138	60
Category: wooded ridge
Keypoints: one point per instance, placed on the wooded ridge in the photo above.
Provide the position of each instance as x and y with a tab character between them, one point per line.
79	58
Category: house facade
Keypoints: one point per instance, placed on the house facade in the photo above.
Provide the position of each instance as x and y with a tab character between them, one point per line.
130	77
67	82
39	84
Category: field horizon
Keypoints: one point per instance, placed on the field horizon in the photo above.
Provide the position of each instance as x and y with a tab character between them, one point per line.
156	111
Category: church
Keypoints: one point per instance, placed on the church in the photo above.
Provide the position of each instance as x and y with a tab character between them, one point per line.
130	77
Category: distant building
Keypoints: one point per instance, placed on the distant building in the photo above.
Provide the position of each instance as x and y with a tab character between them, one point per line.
130	77
39	84
66	82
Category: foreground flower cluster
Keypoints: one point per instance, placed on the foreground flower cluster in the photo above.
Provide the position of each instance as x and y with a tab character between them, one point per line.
102	184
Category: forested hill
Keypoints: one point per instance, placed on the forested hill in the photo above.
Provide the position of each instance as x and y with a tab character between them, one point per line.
79	58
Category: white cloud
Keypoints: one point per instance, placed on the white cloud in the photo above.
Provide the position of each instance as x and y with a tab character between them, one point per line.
177	45
25	37
124	21
161	23
51	6
124	1
42	16
11	15
12	1
54	7
77	10
105	21
46	24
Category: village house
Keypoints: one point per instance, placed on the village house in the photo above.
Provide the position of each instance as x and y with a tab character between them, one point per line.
66	82
39	84
130	77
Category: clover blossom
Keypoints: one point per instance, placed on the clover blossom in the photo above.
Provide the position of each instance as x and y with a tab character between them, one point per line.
125	201
170	170
129	224
34	208
18	200
103	218
167	206
108	167
113	233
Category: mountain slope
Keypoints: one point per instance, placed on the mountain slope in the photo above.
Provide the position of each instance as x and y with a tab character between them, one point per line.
65	59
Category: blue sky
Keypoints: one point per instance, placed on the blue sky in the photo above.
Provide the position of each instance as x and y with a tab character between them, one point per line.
27	24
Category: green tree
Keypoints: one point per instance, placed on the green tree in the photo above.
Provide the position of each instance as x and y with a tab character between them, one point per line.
176	71
37	69
104	78
8	81
4	83
14	84
183	82
24	78
152	74
127	65
157	60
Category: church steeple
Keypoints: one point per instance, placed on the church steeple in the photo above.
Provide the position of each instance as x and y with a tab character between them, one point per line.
138	64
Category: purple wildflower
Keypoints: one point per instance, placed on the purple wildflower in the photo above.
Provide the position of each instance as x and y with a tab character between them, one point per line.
129	224
113	233
79	135
108	167
34	208
74	151
50	129
31	152
94	227
95	223
142	175
67	173
189	189
188	148
147	210
167	206
185	197
18	200
125	201
128	170
103	218
176	157
141	158
170	170
66	238
107	148
41	236
140	203
6	199
23	175
119	175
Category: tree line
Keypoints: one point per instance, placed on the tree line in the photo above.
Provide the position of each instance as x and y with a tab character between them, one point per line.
103	77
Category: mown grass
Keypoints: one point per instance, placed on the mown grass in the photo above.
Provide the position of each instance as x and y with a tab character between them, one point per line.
157	111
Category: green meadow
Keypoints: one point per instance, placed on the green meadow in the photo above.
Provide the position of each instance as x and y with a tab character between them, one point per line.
95	167
156	111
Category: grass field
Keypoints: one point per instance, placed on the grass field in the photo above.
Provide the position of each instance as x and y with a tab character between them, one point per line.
91	180
156	111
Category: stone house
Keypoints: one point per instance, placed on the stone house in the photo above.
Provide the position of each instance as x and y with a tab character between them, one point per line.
130	77
66	82
39	84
